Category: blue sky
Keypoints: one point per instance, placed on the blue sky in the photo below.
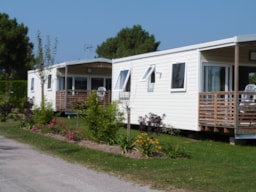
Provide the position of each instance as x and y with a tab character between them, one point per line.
175	23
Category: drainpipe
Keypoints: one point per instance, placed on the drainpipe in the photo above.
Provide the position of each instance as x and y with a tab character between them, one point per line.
236	95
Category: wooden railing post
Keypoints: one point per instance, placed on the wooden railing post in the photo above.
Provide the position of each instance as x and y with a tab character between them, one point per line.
215	109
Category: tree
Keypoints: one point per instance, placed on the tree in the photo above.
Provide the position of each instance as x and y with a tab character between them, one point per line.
129	41
45	58
15	49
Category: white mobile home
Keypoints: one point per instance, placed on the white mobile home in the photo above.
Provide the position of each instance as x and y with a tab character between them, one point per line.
197	87
70	81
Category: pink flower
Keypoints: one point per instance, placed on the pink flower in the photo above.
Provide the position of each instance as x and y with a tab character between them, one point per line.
50	125
70	135
36	127
54	120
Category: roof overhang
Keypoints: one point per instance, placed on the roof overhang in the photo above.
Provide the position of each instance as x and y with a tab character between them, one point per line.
94	63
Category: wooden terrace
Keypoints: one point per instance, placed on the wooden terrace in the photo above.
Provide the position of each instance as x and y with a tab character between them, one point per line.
65	99
219	112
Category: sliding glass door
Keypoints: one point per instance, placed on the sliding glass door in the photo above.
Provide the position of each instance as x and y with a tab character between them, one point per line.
217	78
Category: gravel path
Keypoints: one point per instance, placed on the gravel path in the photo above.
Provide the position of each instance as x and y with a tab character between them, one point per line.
23	169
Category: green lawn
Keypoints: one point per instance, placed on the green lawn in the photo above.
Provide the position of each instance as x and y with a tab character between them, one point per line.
213	166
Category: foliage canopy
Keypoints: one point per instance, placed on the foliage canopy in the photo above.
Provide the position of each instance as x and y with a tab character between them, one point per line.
129	41
15	49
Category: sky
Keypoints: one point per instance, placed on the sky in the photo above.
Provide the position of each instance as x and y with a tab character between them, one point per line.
82	25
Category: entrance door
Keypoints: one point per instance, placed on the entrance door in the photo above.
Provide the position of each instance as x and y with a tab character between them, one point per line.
217	78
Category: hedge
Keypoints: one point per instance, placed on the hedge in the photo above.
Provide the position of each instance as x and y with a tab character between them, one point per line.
17	90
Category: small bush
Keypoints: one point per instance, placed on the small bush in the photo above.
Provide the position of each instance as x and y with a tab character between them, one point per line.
103	121
175	152
5	110
151	123
27	121
127	144
43	116
74	135
37	127
80	108
56	126
148	145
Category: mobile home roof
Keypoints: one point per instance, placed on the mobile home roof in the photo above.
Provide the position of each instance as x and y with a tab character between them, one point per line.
201	46
77	62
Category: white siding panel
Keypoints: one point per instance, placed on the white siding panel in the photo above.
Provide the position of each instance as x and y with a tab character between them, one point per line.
181	108
50	94
36	93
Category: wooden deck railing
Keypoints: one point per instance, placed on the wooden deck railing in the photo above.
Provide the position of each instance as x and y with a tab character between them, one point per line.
217	110
64	102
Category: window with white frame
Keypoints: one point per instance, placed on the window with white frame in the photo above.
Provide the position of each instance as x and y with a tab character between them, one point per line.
123	81
149	76
178	77
32	85
148	73
49	82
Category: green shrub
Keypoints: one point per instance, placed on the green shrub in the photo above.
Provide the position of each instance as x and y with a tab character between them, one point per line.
14	92
5	110
175	151
103	121
55	126
80	108
27	120
43	116
126	144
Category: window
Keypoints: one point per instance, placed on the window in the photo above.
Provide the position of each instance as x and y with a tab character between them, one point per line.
32	84
62	83
108	84
123	81
81	83
149	76
70	83
49	84
151	83
178	79
96	83
149	71
215	78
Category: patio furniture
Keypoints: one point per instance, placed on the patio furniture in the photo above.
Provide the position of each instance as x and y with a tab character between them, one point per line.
248	103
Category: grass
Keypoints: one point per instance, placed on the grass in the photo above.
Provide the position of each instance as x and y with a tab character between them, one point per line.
213	166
